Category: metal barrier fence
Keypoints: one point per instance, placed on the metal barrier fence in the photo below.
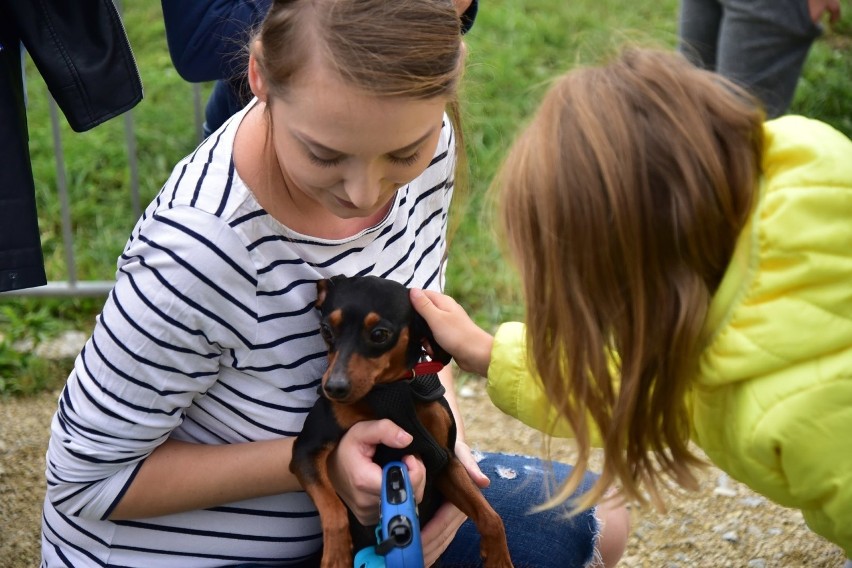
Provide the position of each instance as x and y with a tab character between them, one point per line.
72	286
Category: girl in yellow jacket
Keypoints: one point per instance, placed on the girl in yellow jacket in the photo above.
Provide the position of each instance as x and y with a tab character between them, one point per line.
687	273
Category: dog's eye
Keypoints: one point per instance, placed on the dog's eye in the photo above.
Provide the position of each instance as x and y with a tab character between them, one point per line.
325	332
379	335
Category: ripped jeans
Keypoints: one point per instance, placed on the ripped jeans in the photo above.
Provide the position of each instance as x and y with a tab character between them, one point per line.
536	540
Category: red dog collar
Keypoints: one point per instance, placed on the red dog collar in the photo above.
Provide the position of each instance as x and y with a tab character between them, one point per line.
424	368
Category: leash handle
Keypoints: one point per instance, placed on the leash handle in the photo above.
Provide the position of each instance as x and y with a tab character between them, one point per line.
398	533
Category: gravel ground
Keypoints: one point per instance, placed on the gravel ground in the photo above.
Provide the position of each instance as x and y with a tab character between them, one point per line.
722	525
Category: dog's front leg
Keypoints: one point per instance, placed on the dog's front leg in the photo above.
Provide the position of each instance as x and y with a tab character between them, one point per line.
460	490
336	539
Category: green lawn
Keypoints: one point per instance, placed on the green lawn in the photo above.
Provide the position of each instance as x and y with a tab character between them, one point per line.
515	48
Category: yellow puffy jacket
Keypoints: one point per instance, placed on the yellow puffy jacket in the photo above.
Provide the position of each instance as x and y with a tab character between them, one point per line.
772	402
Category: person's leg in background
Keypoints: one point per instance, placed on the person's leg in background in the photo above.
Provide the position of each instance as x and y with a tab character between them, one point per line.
763	45
698	31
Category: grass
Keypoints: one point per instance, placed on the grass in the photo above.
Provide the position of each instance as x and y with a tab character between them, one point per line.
515	48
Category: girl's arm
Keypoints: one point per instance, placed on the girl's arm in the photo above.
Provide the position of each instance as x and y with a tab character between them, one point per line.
512	386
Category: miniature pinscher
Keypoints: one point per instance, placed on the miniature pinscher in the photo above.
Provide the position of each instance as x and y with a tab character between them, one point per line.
375	343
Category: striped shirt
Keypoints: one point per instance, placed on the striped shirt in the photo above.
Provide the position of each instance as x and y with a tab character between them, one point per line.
210	335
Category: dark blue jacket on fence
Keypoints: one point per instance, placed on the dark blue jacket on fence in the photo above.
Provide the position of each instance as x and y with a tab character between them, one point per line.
81	50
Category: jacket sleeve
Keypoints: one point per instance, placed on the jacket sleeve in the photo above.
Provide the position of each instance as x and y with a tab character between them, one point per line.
82	52
207	38
517	390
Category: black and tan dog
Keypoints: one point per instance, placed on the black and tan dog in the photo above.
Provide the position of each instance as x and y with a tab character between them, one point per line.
375	341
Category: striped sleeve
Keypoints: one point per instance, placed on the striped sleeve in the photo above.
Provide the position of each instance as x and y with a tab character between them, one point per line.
155	349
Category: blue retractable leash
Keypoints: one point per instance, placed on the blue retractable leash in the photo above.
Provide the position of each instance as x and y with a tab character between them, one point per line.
398	533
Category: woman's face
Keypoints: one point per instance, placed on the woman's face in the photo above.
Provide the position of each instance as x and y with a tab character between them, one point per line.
347	149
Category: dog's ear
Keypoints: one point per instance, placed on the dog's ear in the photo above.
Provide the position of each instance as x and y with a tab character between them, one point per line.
324	285
322	291
423	336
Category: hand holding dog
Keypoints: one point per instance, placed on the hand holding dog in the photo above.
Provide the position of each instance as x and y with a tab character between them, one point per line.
453	329
357	479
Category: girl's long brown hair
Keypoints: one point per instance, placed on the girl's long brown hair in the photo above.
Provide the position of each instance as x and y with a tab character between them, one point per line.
621	204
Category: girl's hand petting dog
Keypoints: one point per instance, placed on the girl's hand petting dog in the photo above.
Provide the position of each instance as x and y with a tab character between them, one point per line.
454	331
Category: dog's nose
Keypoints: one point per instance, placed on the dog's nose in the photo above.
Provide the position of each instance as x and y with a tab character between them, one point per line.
337	389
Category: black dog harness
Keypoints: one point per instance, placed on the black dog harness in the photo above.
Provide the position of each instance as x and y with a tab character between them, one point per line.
396	401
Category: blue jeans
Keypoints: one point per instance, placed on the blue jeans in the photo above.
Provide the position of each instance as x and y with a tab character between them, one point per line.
541	540
536	540
759	44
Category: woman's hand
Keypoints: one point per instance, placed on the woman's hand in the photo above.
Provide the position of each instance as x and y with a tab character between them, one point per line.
437	535
357	479
465	455
453	330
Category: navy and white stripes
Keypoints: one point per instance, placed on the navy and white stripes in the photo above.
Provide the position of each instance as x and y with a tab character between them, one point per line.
210	336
